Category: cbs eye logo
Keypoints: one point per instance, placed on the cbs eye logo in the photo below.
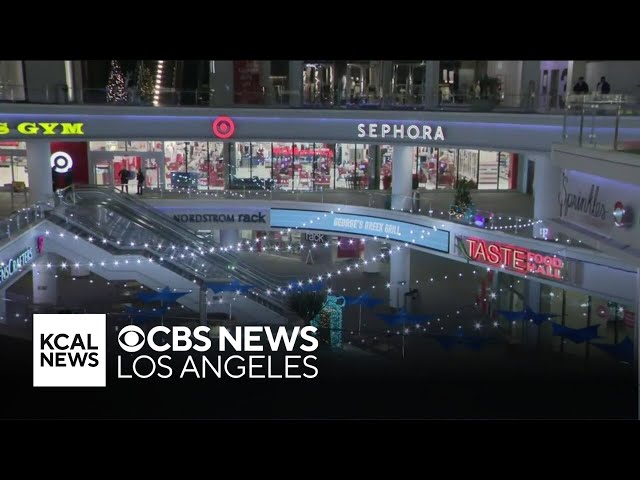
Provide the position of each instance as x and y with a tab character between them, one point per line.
61	162
131	338
223	127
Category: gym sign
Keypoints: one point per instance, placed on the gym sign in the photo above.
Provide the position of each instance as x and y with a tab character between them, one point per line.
45	128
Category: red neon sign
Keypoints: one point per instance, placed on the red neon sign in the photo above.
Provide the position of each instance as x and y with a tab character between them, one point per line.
515	258
223	127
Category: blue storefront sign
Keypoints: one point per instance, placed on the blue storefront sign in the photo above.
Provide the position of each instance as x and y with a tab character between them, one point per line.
362	225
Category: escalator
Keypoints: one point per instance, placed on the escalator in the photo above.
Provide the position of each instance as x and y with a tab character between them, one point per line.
121	224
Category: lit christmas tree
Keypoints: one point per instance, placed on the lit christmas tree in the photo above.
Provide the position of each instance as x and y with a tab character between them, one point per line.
116	87
144	80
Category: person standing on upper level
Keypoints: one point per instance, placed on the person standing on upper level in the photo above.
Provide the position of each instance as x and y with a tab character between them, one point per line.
603	86
581	87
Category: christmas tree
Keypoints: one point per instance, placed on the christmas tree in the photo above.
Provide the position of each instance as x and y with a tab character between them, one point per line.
116	87
144	80
462	203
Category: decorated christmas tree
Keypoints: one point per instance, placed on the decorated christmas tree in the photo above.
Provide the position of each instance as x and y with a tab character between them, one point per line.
144	82
116	87
462	203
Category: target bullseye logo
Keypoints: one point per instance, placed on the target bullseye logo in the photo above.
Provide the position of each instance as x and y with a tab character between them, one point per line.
61	162
223	127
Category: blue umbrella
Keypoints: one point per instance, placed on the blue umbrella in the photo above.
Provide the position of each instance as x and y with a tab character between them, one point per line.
365	299
234	286
164	295
576	335
538	318
512	316
622	351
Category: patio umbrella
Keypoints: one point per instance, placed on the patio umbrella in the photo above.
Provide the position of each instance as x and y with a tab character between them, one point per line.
164	295
365	299
234	286
622	351
576	335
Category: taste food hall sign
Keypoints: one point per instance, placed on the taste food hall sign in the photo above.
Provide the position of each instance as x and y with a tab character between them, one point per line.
513	258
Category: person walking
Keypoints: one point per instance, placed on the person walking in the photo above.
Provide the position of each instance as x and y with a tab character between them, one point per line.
581	87
124	179
140	178
603	87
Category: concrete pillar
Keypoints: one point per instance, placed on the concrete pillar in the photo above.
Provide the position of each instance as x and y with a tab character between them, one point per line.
45	283
546	188
431	98
403	157
221	83
399	276
40	177
229	237
371	249
203	304
530	84
295	82
387	82
375	162
229	152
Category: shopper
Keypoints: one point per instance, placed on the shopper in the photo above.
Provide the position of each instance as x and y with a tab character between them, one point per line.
581	87
124	179
140	178
603	86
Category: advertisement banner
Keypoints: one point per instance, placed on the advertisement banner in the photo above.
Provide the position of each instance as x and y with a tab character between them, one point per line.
364	225
246	82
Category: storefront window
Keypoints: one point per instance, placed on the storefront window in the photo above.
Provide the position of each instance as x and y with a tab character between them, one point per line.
446	168
505	171
323	171
303	165
488	170
282	164
386	166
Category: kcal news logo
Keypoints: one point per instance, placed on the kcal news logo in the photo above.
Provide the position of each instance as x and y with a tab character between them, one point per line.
69	350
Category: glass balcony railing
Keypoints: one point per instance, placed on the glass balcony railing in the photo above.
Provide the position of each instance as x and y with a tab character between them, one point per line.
398	100
594	121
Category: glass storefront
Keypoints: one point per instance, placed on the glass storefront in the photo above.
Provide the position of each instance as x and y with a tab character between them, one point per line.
296	165
566	308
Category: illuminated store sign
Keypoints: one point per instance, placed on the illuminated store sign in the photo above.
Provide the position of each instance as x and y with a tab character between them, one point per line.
14	265
362	225
53	128
511	257
413	132
61	162
221	218
223	127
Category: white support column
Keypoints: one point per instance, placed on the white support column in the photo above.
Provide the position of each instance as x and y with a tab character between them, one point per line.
371	249
45	283
229	237
295	82
387	82
546	187
403	157
431	97
399	276
40	177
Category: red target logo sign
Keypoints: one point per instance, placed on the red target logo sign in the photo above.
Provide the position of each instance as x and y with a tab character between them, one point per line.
223	127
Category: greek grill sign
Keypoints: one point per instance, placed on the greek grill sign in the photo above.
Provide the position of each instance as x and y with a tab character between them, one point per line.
9	268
